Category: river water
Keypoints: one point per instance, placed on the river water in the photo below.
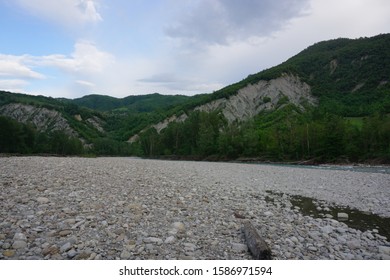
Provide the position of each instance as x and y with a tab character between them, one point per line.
351	168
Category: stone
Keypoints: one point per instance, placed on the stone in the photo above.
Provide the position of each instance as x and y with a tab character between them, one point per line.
312	248
72	253
189	247
384	250
42	200
83	256
20	236
340	230
179	226
268	213
50	250
66	247
125	255
384	257
64	232
170	239
354	244
8	253
153	240
342	216
19	244
239	248
327	229
294	239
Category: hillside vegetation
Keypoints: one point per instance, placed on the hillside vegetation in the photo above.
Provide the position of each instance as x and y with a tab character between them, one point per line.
350	121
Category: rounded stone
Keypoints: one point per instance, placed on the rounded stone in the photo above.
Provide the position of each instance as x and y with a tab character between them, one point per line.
125	255
239	248
179	226
8	253
19	244
42	200
169	240
20	236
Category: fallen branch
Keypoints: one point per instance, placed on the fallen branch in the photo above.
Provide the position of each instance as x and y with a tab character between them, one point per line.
256	244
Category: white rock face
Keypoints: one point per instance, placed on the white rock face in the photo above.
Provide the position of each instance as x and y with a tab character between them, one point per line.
249	101
42	118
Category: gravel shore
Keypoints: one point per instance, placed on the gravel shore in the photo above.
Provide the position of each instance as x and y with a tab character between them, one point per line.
130	208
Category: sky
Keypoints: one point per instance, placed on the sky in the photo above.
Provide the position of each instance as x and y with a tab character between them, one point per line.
72	48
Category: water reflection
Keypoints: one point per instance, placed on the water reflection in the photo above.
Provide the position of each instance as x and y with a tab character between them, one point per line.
356	219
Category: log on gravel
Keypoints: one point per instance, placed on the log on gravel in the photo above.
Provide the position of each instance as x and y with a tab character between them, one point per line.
257	246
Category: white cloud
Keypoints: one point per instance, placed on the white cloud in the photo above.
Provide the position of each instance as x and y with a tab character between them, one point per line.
64	12
86	59
15	66
84	69
13	85
85	83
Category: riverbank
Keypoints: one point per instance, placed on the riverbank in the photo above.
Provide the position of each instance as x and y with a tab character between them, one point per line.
130	208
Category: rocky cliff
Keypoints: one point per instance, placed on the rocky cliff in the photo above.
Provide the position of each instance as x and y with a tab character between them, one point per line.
264	95
48	120
253	99
41	118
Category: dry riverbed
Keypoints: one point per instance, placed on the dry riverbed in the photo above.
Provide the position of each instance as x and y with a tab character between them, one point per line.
129	208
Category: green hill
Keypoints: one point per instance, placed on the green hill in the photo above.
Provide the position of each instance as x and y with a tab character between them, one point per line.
133	104
350	79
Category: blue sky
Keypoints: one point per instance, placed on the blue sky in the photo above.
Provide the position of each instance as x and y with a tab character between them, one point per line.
71	48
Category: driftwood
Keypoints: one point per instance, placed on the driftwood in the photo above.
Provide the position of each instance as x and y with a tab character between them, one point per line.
256	244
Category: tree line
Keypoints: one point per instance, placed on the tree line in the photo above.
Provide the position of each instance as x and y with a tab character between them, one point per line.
283	135
21	138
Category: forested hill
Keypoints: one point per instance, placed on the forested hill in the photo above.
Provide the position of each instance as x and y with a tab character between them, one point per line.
353	74
350	122
330	102
133	103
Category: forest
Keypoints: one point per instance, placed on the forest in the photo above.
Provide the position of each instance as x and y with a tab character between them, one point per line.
284	136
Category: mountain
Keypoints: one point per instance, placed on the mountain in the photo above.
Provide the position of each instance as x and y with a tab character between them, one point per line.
330	102
137	103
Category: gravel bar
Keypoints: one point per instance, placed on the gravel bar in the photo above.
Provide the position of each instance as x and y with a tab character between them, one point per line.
131	208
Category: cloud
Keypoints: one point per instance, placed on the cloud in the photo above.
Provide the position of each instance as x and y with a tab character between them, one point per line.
85	84
84	68
226	21
64	12
15	66
86	59
15	74
173	83
13	85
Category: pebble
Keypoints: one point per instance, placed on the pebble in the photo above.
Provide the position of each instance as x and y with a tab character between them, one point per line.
342	216
125	255
64	232
169	239
42	200
130	208
384	250
354	244
178	226
19	244
153	240
8	253
66	247
239	248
